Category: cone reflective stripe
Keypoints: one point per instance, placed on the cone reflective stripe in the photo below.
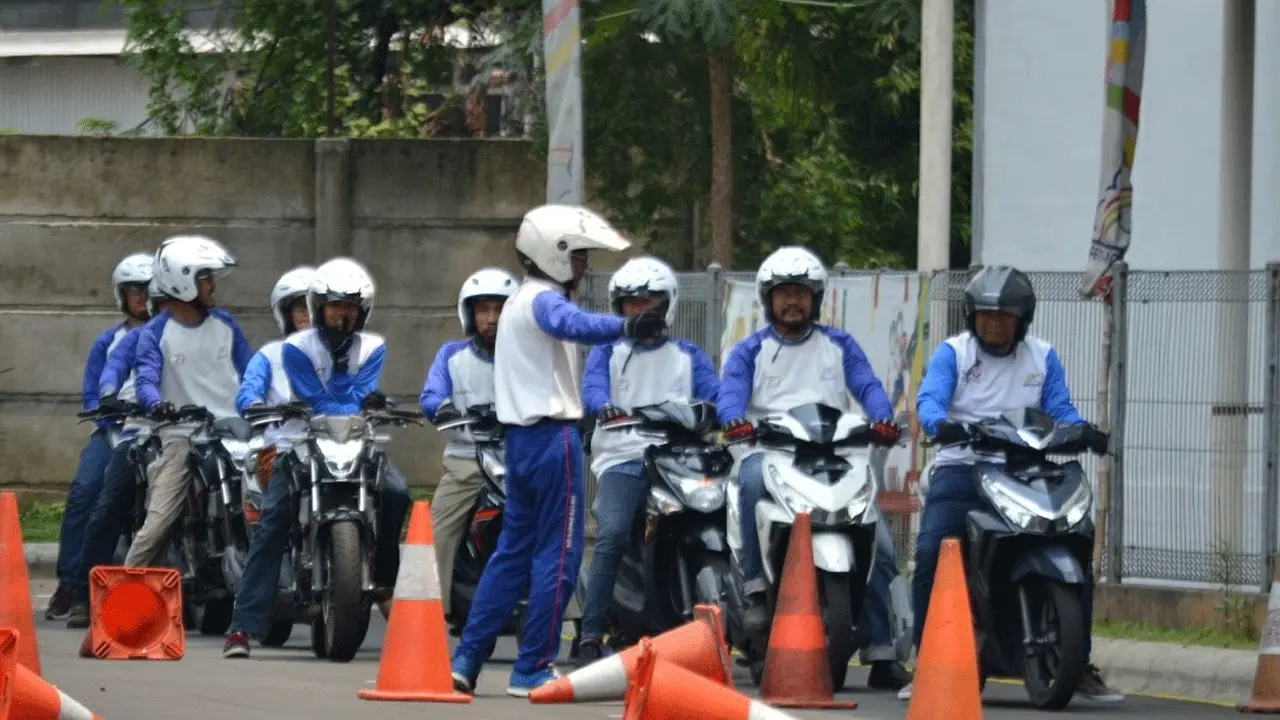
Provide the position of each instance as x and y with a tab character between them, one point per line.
415	663
1265	698
35	699
697	646
661	690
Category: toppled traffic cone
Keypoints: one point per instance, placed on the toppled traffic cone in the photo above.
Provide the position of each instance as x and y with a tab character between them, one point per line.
797	672
946	677
15	585
136	614
1266	679
415	663
662	690
697	646
31	698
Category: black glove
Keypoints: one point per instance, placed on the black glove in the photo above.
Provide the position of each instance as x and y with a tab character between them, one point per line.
609	413
111	404
1095	440
164	410
740	429
647	324
374	401
950	432
446	413
885	433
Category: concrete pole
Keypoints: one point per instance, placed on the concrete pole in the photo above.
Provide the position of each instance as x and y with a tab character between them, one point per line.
1229	428
933	242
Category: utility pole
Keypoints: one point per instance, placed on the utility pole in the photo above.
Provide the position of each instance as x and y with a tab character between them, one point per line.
937	40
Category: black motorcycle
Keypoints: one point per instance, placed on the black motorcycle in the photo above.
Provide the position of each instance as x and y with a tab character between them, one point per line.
1027	551
678	556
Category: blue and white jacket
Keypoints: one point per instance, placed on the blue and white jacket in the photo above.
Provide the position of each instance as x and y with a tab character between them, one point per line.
309	366
265	382
90	391
192	364
463	373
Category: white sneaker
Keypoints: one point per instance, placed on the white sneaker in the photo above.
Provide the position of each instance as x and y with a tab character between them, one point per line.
905	692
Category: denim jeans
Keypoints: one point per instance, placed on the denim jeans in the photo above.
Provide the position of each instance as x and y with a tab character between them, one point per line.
81	498
620	493
108	520
877	602
260	579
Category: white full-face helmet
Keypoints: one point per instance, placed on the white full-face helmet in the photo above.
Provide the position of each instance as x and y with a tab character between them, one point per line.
646	277
791	265
549	234
341	279
133	270
182	257
289	288
486	283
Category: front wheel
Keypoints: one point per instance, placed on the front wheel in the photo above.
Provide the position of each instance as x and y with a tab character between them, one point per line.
1056	662
344	607
837	618
278	633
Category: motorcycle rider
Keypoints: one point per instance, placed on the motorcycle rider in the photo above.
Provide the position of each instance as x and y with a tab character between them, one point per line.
191	354
460	377
793	361
619	378
129	285
334	367
113	510
992	368
538	398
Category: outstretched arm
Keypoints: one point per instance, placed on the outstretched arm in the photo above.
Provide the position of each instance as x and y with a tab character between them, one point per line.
563	320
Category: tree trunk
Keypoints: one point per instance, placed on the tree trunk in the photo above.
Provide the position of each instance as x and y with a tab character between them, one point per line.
721	206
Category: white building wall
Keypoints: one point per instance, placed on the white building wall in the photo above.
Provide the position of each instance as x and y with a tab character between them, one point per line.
50	95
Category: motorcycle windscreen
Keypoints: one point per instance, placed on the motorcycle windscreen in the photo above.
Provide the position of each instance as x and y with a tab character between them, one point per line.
819	421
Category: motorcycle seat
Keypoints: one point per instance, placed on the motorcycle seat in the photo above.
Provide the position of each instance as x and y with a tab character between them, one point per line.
233	428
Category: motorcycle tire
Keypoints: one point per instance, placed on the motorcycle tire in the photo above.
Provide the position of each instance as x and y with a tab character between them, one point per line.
317	640
278	633
344	607
1053	693
838	619
209	617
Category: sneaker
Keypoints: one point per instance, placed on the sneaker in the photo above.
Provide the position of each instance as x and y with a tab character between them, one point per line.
589	651
465	673
524	683
888	675
237	646
905	692
756	618
78	616
1093	687
60	604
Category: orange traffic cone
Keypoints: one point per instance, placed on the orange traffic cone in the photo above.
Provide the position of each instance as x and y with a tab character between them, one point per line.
8	666
415	657
697	646
136	614
662	690
31	698
797	672
15	585
946	677
1266	679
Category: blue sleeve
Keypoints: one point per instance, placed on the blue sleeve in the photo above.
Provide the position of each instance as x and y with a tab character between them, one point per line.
735	383
241	350
706	384
596	382
93	366
369	375
149	364
119	364
345	391
563	320
254	384
861	379
1055	396
439	385
936	388
303	379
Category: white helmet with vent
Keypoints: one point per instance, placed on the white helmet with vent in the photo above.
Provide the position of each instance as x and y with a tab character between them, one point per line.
341	279
486	283
182	257
289	288
791	265
134	269
645	277
550	233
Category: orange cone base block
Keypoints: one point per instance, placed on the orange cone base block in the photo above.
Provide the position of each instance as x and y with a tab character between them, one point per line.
397	696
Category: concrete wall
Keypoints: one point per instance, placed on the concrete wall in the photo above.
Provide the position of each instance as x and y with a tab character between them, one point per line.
421	214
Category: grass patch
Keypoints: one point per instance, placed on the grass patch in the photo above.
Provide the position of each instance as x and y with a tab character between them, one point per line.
42	521
1206	637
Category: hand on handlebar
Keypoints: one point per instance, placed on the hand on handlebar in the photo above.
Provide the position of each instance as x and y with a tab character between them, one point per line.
739	430
1096	440
950	433
885	433
609	413
446	413
374	401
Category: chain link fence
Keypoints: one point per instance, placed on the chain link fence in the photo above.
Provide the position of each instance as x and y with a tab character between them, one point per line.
1191	489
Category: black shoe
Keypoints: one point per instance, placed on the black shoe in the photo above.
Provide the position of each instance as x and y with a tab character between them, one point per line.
237	646
78	616
589	651
756	618
888	675
60	604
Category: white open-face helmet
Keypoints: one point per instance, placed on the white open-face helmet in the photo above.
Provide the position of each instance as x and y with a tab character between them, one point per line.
645	277
792	265
291	286
550	233
182	257
134	269
486	283
341	279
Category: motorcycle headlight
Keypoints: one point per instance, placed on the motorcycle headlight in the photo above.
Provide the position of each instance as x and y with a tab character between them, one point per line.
862	498
1012	508
664	501
339	458
1076	508
783	493
702	494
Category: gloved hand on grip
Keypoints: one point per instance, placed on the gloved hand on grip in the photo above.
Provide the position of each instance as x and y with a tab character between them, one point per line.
445	413
647	324
609	413
950	432
1096	440
374	401
739	430
885	433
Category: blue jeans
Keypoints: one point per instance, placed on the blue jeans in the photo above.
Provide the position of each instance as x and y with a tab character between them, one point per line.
621	493
108	520
540	543
953	492
81	498
876	605
261	577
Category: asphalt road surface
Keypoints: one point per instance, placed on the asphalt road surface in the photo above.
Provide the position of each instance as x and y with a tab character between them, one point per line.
290	683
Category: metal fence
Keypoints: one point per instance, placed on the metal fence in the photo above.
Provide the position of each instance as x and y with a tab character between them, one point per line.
1192	494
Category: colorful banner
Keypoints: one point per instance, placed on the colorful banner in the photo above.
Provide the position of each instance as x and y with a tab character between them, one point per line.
1111	224
562	52
886	314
